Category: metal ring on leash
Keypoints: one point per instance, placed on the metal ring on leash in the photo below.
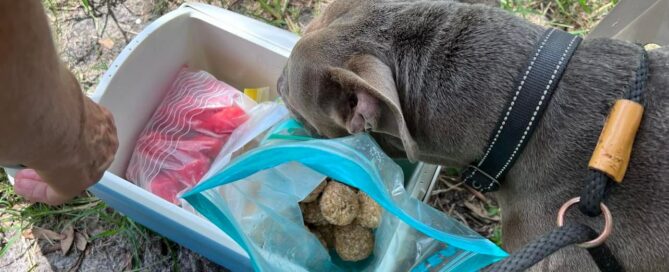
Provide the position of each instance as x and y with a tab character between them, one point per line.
608	222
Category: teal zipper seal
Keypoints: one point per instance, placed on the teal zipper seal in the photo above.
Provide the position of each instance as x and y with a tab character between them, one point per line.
327	161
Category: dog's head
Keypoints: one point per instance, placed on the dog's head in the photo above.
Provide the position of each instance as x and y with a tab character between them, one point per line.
336	90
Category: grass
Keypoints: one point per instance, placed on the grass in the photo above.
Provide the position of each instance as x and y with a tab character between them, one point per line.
575	16
280	13
17	216
496	236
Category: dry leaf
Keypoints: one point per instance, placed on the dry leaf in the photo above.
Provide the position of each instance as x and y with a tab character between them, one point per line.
49	248
50	235
128	262
106	43
28	234
66	243
80	241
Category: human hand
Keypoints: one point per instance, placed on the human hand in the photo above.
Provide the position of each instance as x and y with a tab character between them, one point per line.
29	185
81	169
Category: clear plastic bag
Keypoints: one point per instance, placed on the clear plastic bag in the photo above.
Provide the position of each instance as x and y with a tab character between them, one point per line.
247	136
186	133
412	235
261	118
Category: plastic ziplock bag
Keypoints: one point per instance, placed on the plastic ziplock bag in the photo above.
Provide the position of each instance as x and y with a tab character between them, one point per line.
412	234
186	132
261	118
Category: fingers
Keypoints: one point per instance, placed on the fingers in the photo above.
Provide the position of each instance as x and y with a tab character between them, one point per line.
70	173
28	184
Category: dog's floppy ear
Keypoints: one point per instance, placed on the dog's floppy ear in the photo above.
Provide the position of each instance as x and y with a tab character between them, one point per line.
376	103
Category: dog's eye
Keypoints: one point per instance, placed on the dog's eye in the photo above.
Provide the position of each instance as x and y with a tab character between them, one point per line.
352	101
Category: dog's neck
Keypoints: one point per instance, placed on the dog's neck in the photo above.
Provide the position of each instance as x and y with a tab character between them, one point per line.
462	61
464	67
455	66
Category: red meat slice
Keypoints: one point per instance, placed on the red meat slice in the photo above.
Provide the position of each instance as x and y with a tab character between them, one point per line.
166	188
178	115
209	146
191	167
224	121
200	112
152	144
214	118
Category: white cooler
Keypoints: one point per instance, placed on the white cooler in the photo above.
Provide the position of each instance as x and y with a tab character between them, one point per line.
238	50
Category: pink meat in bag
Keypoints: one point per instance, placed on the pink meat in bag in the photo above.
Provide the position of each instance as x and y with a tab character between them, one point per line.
186	133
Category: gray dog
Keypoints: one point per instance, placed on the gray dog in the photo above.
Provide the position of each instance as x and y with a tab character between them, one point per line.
430	79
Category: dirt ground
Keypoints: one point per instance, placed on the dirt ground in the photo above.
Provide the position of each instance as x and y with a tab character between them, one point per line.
89	35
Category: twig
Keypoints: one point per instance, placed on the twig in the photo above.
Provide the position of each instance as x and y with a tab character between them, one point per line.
234	2
67	9
129	10
104	27
77	19
477	194
451	186
111	12
77	265
291	25
462	218
477	221
479	212
20	256
441	191
265	5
